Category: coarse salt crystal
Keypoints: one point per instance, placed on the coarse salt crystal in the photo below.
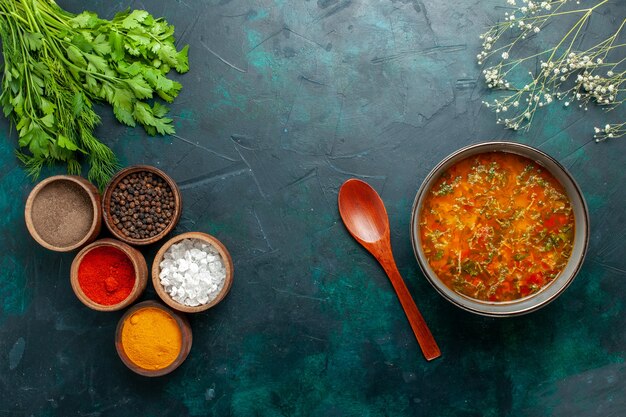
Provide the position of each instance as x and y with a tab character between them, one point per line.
197	254
183	265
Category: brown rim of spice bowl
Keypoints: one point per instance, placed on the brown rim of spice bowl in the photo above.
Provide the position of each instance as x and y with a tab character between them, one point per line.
186	339
228	265
106	203
139	264
94	198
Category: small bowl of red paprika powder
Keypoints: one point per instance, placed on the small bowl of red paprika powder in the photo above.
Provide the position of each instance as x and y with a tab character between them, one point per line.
108	275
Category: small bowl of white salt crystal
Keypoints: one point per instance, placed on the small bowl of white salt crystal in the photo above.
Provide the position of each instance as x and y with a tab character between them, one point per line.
192	272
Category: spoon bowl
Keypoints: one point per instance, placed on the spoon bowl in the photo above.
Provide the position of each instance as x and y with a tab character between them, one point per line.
364	214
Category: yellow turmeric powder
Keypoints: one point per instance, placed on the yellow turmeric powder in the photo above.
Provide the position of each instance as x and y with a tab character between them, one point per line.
151	338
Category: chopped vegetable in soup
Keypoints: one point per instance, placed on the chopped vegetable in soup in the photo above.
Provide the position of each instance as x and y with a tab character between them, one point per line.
497	227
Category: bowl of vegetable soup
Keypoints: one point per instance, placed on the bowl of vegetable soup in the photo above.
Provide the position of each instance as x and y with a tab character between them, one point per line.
499	228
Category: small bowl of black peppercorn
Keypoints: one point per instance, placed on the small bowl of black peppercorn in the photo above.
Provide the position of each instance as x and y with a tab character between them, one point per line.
141	204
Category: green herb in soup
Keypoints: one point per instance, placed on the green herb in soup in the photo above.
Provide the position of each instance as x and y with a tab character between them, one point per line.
497	227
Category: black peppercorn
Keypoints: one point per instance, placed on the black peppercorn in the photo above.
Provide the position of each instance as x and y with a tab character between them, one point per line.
142	205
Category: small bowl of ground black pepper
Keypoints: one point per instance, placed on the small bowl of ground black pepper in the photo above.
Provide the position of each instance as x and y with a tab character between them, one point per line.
63	213
141	204
108	275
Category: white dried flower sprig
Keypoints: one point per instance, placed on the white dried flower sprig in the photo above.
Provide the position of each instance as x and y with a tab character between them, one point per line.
610	131
564	74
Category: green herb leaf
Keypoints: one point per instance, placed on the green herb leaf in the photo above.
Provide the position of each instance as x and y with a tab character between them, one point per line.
47	120
84	20
100	45
134	19
37	140
139	36
124	115
140	87
65	142
46	106
123	106
32	40
143	114
168	54
78	102
164	126
158	81
132	69
116	42
182	59
159	110
82	43
98	62
76	56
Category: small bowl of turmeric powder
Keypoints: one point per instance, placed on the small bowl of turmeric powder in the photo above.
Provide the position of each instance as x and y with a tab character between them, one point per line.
153	340
108	275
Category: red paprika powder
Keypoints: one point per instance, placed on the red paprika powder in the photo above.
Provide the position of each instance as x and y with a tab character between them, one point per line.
106	275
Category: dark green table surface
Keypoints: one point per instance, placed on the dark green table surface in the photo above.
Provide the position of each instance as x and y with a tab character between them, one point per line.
285	100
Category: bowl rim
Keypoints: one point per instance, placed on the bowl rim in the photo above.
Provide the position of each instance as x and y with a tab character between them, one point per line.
94	198
185	334
139	265
551	291
228	264
106	203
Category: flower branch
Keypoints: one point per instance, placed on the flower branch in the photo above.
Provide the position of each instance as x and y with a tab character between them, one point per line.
565	74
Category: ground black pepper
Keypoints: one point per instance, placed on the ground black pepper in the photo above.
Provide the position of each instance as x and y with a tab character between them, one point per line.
62	213
142	205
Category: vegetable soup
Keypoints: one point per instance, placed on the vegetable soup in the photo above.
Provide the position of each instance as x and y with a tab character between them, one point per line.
497	227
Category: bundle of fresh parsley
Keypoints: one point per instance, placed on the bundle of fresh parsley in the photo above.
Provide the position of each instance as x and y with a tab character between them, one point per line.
56	64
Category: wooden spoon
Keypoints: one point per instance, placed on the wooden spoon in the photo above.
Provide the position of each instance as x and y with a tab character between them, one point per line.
365	217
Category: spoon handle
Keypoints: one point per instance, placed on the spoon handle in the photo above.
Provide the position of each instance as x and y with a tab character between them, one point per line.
422	333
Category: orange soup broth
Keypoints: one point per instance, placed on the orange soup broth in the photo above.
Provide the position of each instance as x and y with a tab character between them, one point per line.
497	227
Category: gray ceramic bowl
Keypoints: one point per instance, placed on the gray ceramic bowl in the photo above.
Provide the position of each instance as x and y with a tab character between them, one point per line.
550	291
